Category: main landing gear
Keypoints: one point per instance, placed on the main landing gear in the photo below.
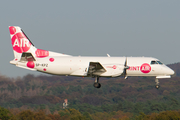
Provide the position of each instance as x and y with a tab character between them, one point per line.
157	86
96	82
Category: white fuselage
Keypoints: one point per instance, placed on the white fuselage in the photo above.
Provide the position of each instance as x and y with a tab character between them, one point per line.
114	66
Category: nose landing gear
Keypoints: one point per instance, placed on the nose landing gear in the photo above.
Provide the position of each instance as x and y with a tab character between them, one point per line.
157	86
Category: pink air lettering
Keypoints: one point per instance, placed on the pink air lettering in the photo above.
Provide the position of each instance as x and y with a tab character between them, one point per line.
134	68
144	68
19	41
41	53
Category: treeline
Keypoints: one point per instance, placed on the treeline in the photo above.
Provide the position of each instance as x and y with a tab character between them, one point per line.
125	106
73	114
137	94
67	114
132	96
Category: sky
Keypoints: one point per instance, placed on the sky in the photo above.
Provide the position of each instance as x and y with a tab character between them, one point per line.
149	28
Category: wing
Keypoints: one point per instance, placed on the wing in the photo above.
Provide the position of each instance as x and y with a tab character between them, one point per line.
105	70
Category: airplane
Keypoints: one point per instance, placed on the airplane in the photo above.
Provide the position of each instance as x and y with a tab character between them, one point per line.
27	56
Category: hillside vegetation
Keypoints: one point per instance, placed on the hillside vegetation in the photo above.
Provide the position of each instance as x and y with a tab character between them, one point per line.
134	98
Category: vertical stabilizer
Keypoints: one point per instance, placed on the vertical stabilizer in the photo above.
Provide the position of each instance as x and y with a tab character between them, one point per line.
20	42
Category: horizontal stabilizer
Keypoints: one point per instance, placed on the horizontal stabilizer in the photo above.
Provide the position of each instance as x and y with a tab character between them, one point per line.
26	68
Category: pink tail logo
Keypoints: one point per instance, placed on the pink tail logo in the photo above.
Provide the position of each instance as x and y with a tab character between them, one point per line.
19	41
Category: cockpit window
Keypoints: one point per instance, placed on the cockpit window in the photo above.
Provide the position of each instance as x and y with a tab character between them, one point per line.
156	62
153	62
160	62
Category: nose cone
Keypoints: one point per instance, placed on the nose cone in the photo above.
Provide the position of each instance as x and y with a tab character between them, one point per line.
170	71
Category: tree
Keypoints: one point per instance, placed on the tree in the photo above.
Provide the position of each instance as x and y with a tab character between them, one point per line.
72	113
26	115
87	116
55	117
76	115
5	114
41	116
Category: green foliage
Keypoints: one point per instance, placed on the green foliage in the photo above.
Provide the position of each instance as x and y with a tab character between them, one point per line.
11	87
40	116
75	89
42	106
165	115
26	115
58	90
135	95
43	87
73	114
64	112
87	116
107	107
5	114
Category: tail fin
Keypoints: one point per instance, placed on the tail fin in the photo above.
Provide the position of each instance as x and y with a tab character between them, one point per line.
20	42
24	49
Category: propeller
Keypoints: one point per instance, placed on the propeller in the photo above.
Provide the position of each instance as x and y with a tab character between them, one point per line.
125	69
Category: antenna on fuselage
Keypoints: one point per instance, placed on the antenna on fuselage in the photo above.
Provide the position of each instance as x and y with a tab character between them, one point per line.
108	55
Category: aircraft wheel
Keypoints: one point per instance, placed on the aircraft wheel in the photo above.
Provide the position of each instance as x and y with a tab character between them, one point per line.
157	86
97	85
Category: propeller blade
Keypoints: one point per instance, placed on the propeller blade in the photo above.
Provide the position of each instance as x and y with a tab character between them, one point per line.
125	64
125	69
